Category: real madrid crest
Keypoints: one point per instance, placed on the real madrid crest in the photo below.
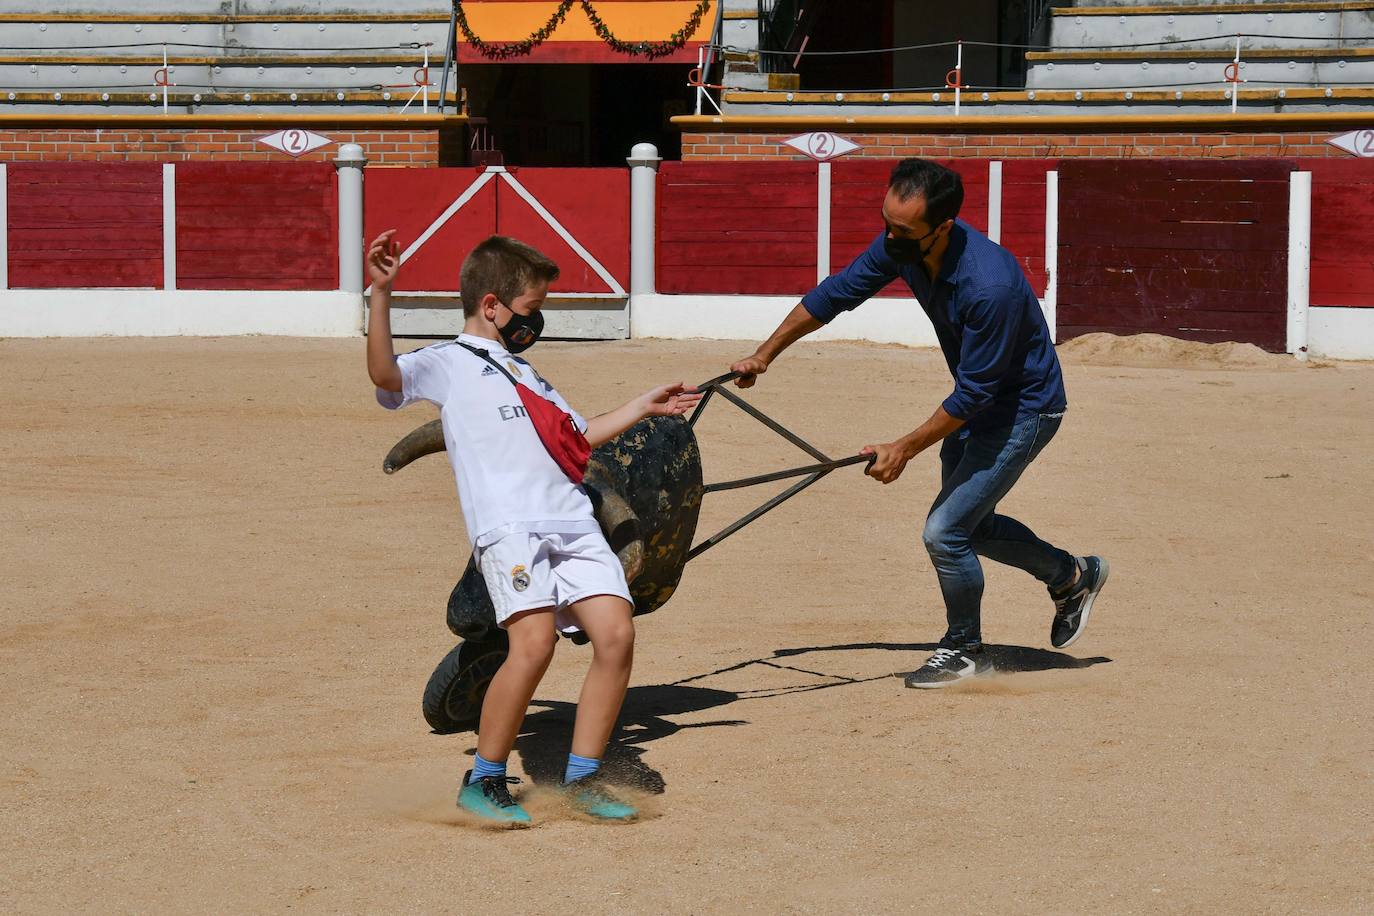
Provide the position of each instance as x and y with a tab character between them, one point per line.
519	579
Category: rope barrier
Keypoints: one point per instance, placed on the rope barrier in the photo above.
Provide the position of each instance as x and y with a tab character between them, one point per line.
1027	47
416	45
967	88
1194	84
220	87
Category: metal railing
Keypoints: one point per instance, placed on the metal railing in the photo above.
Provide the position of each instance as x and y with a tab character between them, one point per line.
778	20
1037	17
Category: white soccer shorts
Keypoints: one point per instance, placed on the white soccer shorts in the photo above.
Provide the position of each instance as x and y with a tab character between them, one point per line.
524	571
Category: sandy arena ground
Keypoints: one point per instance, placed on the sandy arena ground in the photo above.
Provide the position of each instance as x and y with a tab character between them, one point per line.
219	616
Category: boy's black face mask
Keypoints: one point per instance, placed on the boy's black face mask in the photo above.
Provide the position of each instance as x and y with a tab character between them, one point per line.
521	331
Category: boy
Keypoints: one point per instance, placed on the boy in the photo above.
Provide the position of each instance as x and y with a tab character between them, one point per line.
546	564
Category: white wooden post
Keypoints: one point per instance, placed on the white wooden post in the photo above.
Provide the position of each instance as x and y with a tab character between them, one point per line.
169	226
995	201
1299	260
4	227
349	163
1049	302
822	221
643	161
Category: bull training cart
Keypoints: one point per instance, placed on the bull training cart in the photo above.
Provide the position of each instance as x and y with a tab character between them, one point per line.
646	490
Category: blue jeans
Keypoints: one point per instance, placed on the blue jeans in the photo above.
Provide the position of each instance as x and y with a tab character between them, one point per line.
977	470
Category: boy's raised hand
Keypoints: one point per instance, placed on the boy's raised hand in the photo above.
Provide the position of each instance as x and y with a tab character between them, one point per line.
384	259
669	400
664	401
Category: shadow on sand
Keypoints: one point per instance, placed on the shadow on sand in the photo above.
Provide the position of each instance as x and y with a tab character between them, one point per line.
547	731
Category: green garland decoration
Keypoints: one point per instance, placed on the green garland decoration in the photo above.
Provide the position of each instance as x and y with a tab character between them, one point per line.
646	49
511	49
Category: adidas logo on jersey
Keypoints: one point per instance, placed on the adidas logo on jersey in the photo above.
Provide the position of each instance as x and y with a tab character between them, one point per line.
488	370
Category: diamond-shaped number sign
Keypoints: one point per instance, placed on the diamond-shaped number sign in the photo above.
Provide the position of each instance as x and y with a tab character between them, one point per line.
821	145
295	142
1358	142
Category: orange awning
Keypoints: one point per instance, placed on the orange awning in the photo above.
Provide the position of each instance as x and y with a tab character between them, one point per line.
575	40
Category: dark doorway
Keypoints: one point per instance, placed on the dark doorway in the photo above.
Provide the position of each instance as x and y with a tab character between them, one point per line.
572	114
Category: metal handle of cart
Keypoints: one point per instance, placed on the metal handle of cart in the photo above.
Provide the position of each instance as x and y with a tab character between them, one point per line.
811	472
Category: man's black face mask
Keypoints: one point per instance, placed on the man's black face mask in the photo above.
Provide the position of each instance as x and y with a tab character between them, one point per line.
908	251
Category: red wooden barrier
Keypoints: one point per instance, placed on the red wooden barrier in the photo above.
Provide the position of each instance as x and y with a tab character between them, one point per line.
749	228
1192	249
409	200
257	225
1342	231
737	227
85	224
592	205
1023	215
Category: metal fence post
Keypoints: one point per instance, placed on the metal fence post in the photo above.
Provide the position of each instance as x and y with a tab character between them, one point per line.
643	160
350	162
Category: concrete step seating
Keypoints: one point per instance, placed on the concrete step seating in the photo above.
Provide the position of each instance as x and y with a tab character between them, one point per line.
1296	56
370	62
1198	69
1204	26
800	104
1189	46
740	28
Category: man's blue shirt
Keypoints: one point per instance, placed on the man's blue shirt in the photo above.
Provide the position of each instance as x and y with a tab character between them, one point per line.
987	319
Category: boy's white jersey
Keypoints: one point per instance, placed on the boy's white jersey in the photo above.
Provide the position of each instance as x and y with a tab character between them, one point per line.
507	481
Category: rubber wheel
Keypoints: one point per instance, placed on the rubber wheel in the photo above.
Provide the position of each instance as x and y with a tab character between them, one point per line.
453	696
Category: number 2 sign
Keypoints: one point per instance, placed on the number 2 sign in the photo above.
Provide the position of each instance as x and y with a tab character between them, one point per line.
821	145
295	142
1357	142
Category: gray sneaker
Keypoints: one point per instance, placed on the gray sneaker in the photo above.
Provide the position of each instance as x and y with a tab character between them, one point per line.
948	666
1071	609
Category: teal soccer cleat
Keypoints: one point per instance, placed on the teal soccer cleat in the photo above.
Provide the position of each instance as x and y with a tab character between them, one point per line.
591	796
489	799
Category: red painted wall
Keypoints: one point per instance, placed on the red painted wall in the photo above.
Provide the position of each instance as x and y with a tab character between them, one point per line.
593	205
257	226
749	228
1342	232
737	228
1189	248
1023	215
84	224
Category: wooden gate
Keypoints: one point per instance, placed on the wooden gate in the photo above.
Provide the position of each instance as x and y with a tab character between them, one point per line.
578	217
1192	249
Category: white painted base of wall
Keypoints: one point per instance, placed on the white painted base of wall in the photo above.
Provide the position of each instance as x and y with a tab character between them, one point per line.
1340	333
1333	333
899	321
167	313
585	318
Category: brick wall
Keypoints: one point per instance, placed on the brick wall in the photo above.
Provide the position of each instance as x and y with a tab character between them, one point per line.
382	147
760	146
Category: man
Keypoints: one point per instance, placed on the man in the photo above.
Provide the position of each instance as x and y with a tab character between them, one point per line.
1007	403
